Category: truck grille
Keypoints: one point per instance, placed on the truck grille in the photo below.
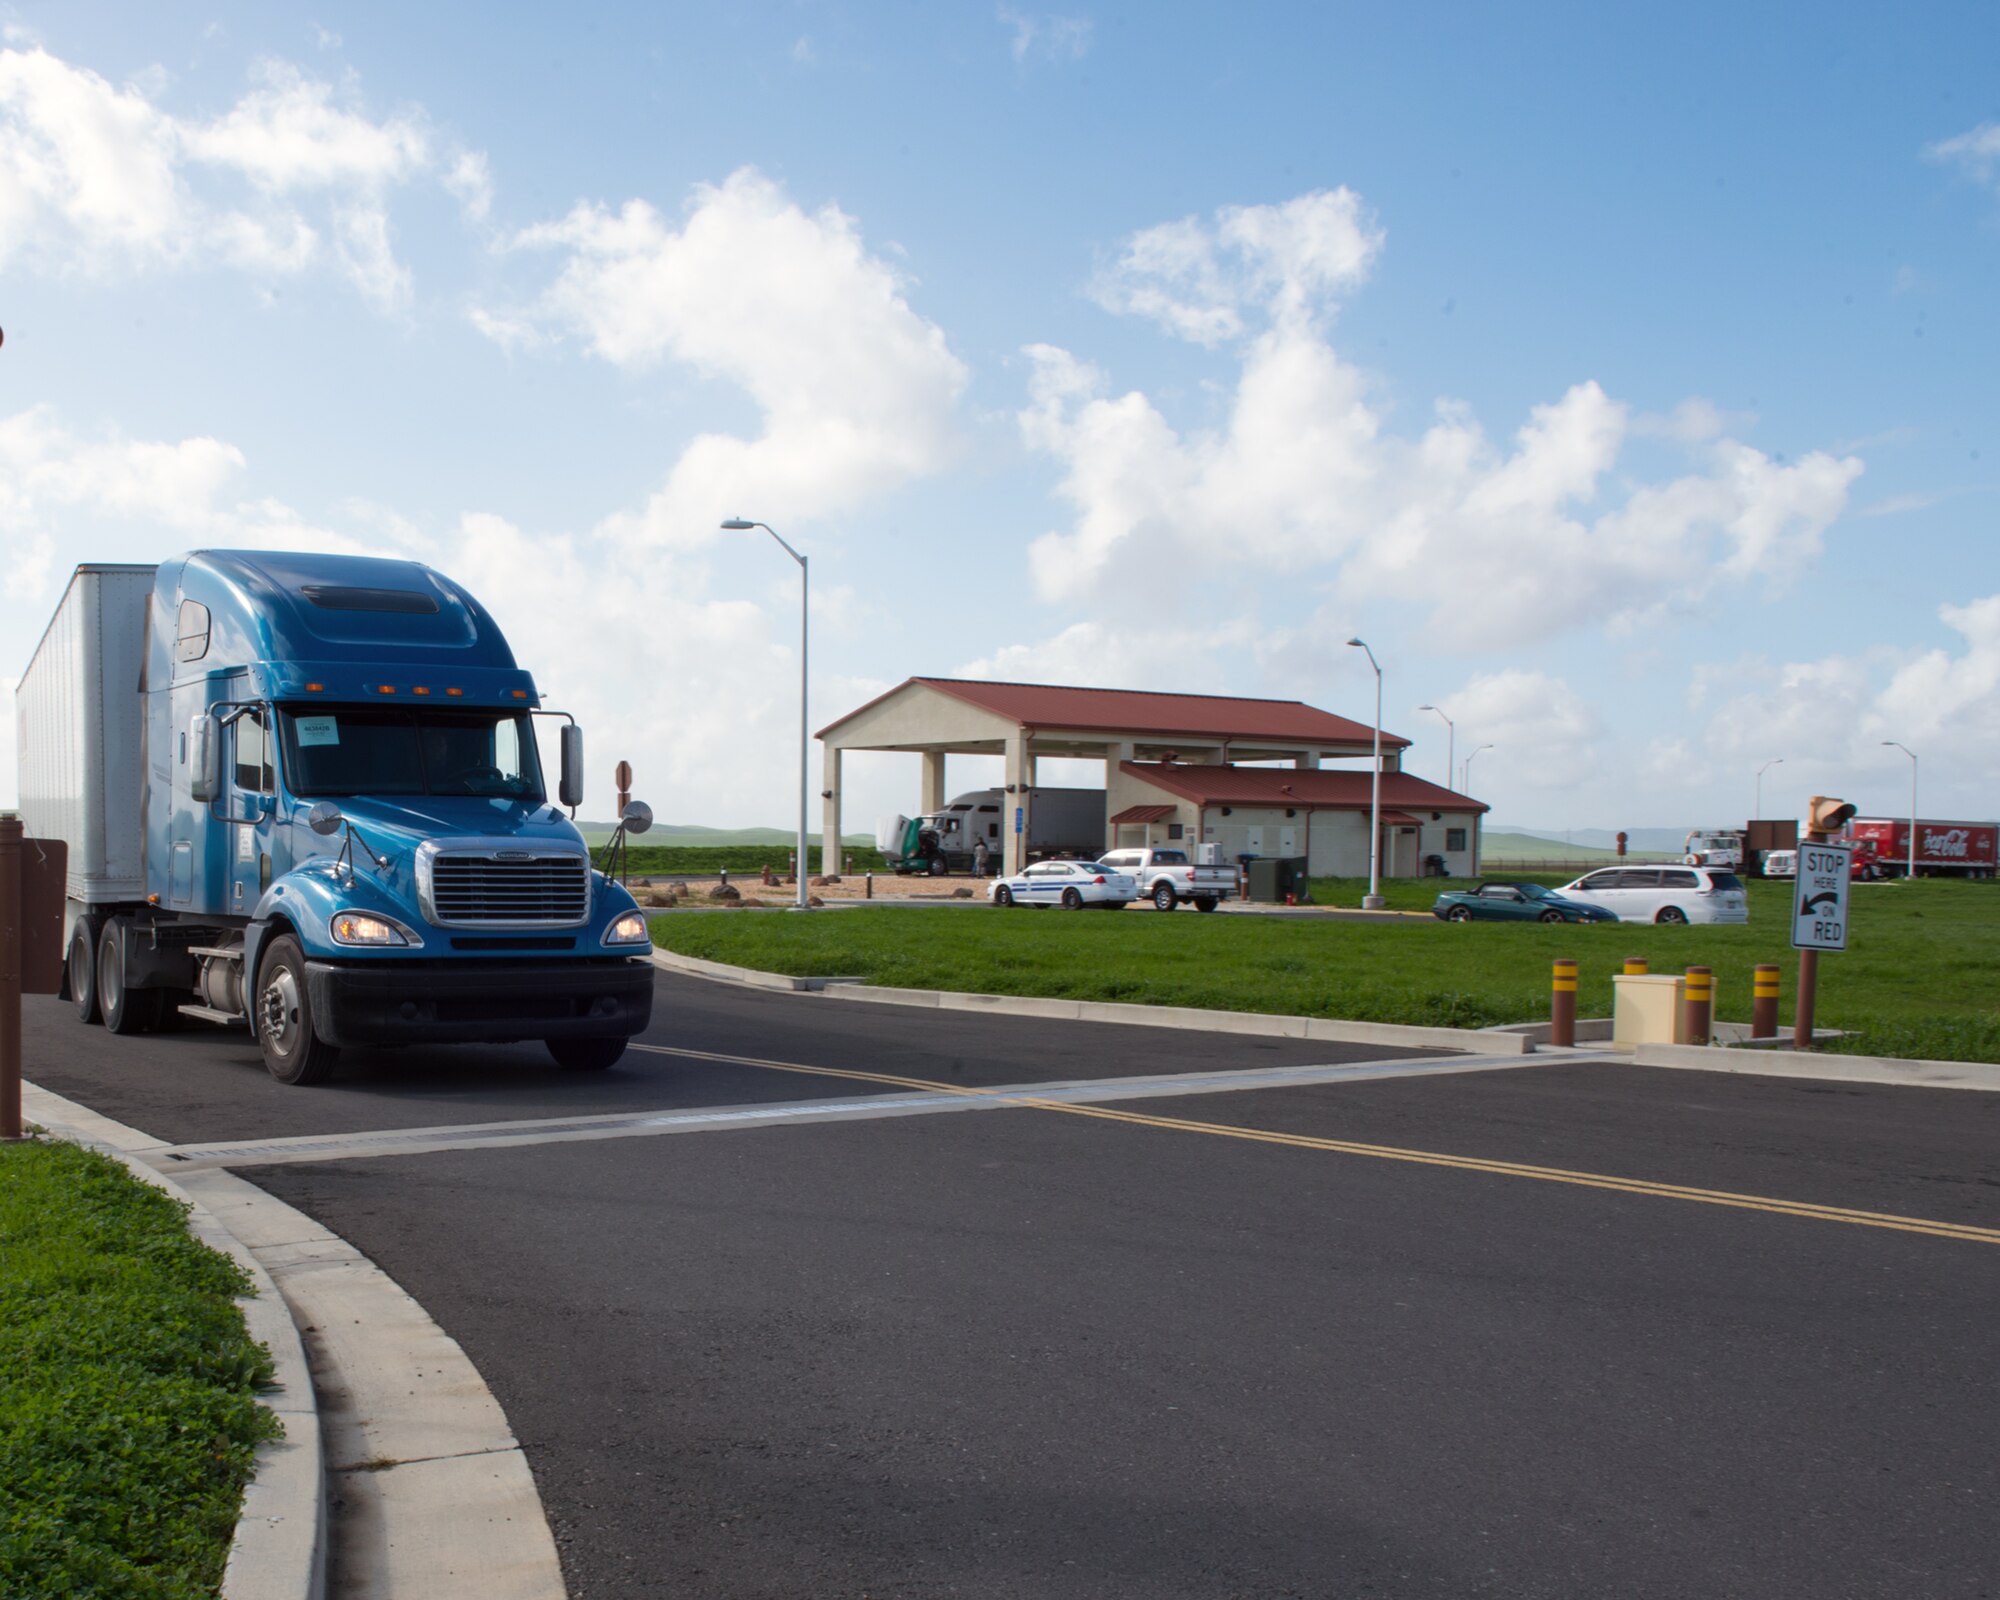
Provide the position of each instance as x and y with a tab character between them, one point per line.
488	889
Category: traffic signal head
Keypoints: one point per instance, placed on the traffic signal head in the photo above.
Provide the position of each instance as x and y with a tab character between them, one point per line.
1824	814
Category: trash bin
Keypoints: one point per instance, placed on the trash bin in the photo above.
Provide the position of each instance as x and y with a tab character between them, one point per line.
1264	883
1291	877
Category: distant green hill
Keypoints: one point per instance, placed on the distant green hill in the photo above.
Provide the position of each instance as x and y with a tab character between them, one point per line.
1498	847
695	836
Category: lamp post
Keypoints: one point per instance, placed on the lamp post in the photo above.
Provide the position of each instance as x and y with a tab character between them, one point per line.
1466	786
1450	745
1757	793
740	525
1910	870
1373	900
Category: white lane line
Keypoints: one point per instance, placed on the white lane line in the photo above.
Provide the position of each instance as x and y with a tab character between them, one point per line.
920	1101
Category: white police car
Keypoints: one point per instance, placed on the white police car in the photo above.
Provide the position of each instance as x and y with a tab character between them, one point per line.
1069	884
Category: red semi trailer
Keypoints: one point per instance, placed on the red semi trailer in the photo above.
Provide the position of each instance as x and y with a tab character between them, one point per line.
1944	849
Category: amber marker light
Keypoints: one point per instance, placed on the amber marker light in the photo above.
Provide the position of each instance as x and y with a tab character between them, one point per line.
520	694
455	693
385	688
315	688
419	689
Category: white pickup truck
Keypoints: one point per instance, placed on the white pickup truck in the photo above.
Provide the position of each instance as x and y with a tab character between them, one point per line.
1167	878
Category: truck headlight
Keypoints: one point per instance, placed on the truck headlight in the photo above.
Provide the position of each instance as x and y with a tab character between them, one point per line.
628	929
358	927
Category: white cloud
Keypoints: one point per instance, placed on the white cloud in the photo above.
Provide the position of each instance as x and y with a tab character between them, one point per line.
1303	479
1975	152
857	391
470	178
1542	733
1055	38
1828	717
1198	281
99	179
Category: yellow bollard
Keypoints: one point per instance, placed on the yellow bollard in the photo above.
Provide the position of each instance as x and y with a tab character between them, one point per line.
1636	967
1764	1001
1700	1003
1562	1005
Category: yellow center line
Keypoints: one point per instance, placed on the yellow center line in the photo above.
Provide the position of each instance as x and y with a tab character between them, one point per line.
1965	1232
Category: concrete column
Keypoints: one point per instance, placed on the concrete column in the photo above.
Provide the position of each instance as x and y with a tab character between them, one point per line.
933	796
1019	777
829	836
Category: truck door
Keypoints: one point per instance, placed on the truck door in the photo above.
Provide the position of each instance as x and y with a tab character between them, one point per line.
251	805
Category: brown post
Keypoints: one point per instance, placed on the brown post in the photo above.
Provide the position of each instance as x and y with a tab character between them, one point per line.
1764	1001
1562	1005
1802	1013
11	940
1700	1003
1636	967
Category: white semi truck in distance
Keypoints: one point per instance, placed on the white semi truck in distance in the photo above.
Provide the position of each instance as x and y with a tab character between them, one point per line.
1054	822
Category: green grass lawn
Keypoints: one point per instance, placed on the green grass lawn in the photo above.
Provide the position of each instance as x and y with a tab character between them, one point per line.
128	1417
1919	978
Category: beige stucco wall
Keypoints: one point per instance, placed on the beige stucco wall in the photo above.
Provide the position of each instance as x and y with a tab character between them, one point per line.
916	716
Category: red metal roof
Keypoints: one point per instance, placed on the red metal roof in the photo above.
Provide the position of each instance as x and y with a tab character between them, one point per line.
1142	711
1138	814
1326	789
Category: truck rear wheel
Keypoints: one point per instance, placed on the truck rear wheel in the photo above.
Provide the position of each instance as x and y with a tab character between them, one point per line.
125	1010
1164	898
1205	903
293	1053
82	970
585	1055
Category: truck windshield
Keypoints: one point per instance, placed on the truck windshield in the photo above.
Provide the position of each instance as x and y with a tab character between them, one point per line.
341	750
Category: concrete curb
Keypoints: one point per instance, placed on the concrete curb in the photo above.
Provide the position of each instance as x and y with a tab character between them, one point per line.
434	1493
280	1544
1824	1068
1264	1025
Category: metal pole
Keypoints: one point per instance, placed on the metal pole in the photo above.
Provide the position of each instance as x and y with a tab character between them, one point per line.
1374	900
1910	865
1757	793
803	743
1802	1013
1450	745
12	943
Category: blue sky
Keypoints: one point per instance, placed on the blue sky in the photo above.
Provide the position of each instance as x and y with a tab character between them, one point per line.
1624	378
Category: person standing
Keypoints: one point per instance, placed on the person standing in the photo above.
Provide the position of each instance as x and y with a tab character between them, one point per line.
979	858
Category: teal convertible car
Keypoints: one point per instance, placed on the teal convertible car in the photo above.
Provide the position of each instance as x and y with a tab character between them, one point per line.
1515	902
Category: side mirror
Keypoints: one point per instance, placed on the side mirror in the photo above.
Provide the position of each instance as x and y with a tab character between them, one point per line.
570	790
638	817
324	818
204	758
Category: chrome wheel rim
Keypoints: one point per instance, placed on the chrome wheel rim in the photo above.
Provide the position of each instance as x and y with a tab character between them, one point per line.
278	1010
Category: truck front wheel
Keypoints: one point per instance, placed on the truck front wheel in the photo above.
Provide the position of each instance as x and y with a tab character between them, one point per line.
585	1055
937	866
1164	898
293	1053
82	972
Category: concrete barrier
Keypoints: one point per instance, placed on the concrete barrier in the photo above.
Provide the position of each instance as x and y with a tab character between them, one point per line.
1823	1068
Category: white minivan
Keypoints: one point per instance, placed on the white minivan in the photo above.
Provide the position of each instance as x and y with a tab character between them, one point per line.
1663	894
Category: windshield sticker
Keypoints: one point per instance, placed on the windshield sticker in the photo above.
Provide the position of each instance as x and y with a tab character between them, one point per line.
318	730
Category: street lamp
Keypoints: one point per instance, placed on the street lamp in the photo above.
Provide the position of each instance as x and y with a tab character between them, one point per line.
1450	745
740	525
1373	900
1757	794
1911	869
1466	786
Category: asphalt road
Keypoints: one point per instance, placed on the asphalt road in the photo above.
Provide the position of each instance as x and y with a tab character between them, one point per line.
1229	1344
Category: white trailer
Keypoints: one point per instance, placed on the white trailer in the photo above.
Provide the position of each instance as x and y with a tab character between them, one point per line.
80	733
1054	822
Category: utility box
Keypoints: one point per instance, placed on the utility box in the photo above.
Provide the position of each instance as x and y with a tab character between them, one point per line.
1648	1008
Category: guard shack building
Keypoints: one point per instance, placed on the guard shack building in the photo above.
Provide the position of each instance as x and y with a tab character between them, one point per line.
1175	771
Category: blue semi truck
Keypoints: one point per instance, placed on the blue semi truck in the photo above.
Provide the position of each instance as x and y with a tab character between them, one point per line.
302	794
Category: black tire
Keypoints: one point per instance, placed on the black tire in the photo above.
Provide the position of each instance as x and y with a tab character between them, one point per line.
1459	914
1672	915
293	1052
125	1010
1205	903
80	972
1164	898
1003	897
937	866
1550	916
585	1055
1071	900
